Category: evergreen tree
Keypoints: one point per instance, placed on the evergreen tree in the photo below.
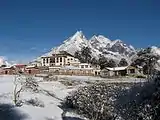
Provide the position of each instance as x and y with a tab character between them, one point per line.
123	62
77	55
146	59
94	61
86	54
102	62
111	63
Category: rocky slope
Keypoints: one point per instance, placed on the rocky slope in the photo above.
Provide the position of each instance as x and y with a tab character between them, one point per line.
112	49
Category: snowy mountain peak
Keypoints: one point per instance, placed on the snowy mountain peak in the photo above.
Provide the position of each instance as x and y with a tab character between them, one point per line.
78	36
71	45
98	44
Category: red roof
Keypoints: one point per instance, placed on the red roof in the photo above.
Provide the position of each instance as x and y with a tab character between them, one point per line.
20	65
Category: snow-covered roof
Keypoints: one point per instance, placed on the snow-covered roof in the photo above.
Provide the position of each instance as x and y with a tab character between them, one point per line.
8	67
116	68
30	66
84	64
140	67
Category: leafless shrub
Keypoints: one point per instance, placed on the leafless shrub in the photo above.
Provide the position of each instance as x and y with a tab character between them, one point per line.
22	83
35	102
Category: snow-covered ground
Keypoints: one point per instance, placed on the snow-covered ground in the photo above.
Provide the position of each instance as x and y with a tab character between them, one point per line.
93	79
51	94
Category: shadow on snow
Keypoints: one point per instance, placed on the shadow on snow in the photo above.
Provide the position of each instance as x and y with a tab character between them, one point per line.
9	112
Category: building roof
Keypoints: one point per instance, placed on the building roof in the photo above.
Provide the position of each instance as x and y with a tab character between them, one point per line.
117	68
8	67
84	64
30	66
20	65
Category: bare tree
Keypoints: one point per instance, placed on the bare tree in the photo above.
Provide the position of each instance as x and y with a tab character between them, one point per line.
22	83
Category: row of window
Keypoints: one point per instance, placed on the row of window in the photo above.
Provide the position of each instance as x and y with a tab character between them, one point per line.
52	60
69	59
57	60
85	66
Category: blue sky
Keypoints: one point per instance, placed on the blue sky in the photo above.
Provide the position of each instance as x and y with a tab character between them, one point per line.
29	28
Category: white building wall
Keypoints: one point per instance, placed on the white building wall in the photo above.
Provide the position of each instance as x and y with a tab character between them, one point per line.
45	61
85	65
69	60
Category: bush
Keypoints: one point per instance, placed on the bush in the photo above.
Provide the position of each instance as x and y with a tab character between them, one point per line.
95	101
35	102
102	101
141	76
141	102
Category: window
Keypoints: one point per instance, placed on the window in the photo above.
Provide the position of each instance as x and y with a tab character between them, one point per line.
29	71
95	72
60	63
60	59
6	72
43	60
132	70
86	66
47	60
57	60
52	60
68	59
71	58
82	66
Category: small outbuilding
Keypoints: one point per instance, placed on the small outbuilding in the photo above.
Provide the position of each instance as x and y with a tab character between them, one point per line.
32	70
119	71
8	70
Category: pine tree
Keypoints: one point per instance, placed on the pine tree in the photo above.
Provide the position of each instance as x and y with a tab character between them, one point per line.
146	59
77	55
86	54
94	61
111	63
123	62
102	62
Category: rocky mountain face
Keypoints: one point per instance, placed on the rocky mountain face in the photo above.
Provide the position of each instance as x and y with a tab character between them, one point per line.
112	49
